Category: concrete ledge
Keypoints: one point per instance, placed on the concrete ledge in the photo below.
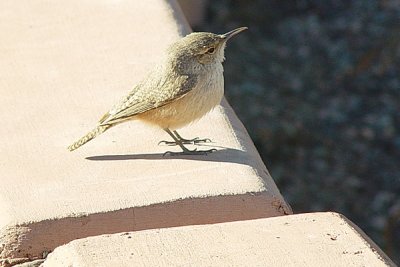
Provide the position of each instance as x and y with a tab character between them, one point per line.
318	239
34	239
64	64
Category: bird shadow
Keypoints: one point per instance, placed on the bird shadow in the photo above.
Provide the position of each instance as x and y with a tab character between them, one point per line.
222	155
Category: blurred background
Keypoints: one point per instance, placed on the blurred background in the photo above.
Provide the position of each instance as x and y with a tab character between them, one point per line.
317	85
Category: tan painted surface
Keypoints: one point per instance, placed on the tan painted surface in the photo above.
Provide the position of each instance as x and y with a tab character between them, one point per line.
318	239
63	64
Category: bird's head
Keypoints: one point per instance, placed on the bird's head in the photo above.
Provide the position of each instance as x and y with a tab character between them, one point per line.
203	47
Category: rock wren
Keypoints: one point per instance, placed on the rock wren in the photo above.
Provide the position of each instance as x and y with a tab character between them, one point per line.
187	84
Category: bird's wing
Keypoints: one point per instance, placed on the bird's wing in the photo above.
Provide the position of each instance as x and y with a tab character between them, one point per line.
151	94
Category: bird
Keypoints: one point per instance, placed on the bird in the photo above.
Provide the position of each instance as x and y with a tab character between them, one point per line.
185	85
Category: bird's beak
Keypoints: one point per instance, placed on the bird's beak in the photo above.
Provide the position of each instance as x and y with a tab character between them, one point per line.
225	37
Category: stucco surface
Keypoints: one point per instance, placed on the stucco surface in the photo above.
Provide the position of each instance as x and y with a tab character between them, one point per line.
319	239
63	65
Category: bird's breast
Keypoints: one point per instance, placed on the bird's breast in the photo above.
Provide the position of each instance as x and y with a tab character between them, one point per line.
207	94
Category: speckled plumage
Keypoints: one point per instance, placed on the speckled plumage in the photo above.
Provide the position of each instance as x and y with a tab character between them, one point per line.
186	85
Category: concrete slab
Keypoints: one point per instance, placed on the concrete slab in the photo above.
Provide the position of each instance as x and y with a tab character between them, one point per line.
319	239
63	64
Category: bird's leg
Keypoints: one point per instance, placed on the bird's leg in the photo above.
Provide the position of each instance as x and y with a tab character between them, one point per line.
184	141
185	150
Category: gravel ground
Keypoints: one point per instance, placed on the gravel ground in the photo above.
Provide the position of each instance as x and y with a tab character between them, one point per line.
317	84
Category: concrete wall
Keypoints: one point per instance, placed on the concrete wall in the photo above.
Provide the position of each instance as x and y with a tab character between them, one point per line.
64	64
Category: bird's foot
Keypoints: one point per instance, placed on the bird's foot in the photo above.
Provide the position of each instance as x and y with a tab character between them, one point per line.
193	141
187	152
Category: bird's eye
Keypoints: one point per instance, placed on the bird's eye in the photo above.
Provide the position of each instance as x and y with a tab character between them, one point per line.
210	50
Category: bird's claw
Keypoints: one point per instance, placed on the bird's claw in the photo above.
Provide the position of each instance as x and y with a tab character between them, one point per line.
193	141
168	143
198	141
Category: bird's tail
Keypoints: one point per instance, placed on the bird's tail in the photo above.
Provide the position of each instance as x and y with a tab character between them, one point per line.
89	136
